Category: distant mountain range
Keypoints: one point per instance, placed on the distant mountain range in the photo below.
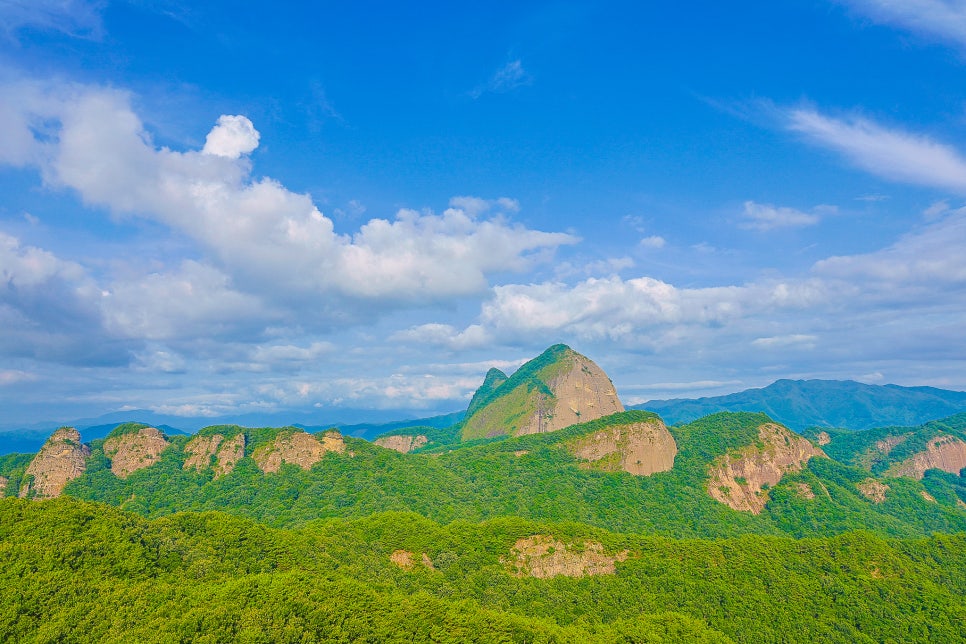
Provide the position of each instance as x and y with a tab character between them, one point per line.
800	404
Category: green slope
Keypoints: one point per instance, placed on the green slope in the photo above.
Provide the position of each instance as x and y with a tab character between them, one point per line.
78	572
531	476
799	404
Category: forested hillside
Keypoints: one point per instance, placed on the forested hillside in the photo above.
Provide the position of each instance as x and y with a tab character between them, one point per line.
76	572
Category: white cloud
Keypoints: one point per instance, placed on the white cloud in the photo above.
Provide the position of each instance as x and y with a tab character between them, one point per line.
890	153
232	137
944	19
13	376
765	217
653	241
267	240
930	258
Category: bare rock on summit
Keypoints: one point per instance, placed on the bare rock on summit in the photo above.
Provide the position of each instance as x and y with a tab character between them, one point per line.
135	450
641	449
227	453
557	389
944	452
61	460
739	480
299	448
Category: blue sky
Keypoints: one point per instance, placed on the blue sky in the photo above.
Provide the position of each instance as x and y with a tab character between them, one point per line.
210	209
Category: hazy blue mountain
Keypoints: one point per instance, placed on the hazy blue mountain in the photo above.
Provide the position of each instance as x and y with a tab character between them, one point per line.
799	404
370	431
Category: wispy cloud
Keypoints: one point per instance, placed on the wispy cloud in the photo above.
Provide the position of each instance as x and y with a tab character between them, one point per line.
764	217
507	78
942	19
890	153
80	18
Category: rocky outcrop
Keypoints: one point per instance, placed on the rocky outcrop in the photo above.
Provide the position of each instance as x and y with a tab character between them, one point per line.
638	448
557	389
402	443
407	560
944	452
824	439
61	460
542	556
740	480
4	481
805	491
136	450
298	448
886	444
873	490
201	449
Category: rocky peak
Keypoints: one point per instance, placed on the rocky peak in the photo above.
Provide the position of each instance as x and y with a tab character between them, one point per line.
201	449
493	379
739	480
62	459
640	448
133	450
557	389
944	452
299	448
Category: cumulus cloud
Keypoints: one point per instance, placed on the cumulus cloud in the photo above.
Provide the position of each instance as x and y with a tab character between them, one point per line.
943	19
232	137
765	217
50	309
887	152
268	240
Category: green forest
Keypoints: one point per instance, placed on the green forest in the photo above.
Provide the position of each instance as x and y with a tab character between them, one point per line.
487	540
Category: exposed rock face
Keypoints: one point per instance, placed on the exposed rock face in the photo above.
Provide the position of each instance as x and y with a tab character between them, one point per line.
62	459
402	443
299	448
947	453
557	389
201	449
639	448
805	491
886	444
407	560
824	438
3	486
929	497
873	490
542	556
135	451
739	481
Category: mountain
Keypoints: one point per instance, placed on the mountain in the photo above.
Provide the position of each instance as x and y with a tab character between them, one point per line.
800	404
556	389
723	475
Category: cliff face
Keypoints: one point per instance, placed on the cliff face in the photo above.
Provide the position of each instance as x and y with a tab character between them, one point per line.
226	453
738	480
299	448
638	448
555	390
134	451
62	459
402	443
947	453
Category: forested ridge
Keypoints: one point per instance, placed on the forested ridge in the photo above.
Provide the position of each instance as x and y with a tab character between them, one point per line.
504	539
76	571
